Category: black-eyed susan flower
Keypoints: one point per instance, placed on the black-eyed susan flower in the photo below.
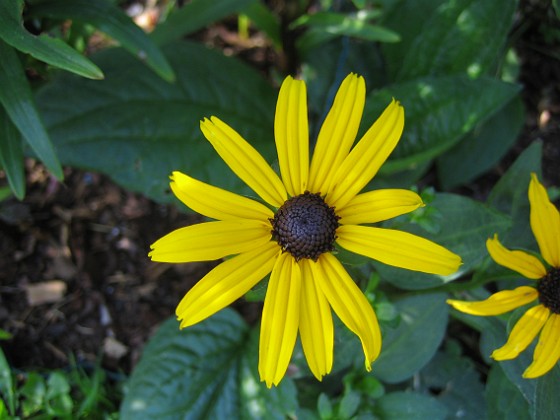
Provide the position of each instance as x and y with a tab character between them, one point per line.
543	318
291	230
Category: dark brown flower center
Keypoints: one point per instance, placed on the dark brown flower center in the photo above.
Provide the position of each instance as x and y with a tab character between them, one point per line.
549	290
305	226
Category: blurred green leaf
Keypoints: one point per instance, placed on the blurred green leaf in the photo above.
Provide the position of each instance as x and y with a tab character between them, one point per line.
410	406
546	401
193	16
7	384
17	99
410	346
58	395
50	50
137	128
324	406
463	36
111	20
33	393
11	155
208	370
483	148
265	20
438	113
462	226
503	399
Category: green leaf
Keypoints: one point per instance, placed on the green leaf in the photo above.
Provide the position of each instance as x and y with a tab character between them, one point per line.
410	346
483	148
137	128
410	406
18	102
461	225
503	398
546	401
438	113
33	391
208	370
7	384
11	155
193	16
110	19
50	50
265	20
463	36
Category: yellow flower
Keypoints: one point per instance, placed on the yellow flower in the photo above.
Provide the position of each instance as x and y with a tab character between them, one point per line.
544	317
291	230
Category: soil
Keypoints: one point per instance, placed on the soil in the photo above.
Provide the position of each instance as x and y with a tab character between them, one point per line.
86	240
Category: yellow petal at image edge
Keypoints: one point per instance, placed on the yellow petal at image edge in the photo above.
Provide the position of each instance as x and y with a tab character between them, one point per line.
523	333
210	241
378	205
244	160
338	132
497	304
280	320
525	264
349	303
214	202
316	324
226	283
545	222
547	351
291	133
399	249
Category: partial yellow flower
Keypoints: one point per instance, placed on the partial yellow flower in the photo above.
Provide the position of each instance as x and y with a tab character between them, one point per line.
291	231
544	318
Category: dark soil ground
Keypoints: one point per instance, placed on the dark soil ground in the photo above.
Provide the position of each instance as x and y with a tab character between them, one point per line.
86	240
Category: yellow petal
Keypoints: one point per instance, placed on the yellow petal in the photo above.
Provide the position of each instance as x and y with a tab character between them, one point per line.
498	303
292	135
545	222
349	303
214	202
210	241
399	249
226	283
280	320
547	351
337	133
365	159
244	161
376	206
316	324
522	262
523	333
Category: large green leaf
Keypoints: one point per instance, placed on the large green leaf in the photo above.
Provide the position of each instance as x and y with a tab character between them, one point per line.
17	99
439	111
503	399
461	225
137	128
546	401
461	36
7	384
11	155
110	19
50	50
411	345
410	406
195	15
205	371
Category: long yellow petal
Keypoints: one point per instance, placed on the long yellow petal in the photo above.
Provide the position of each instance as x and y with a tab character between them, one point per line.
547	351
337	133
378	205
244	161
525	264
498	303
210	241
523	333
292	135
545	222
214	202
226	283
316	324
365	159
280	320
349	303
399	249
